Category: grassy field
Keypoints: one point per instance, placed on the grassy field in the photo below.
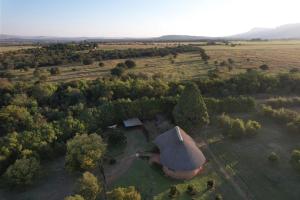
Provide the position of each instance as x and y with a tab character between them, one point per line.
247	161
15	48
280	56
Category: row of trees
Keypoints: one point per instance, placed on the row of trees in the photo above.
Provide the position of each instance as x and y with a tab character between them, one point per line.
61	54
237	128
281	102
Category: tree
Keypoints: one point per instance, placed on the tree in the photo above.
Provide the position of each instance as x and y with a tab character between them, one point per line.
74	197
264	67
84	152
87	61
130	63
23	171
88	186
117	71
191	109
101	64
121	65
128	193
54	71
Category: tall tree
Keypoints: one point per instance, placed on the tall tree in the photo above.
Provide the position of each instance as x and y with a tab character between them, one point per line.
84	152
191	109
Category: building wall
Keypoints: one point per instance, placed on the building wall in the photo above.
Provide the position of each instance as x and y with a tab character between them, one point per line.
182	174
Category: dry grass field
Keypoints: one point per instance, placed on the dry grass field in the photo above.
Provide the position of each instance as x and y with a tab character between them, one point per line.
15	47
280	56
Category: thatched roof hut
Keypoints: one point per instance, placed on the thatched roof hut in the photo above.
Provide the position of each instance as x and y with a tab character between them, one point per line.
179	154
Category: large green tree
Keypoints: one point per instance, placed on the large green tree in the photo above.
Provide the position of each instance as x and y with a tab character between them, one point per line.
23	171
191	109
84	152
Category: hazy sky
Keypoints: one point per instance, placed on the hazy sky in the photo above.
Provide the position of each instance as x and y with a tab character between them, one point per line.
143	18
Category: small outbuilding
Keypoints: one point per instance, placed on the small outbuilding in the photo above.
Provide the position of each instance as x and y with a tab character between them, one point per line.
178	154
133	122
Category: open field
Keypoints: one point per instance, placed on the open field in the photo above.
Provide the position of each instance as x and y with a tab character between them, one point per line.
15	48
247	160
280	56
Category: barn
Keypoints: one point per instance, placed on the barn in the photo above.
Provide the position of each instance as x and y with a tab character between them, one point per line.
178	155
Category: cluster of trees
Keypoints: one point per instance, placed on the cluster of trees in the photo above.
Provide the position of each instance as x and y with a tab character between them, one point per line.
86	53
121	67
237	128
252	82
282	102
285	116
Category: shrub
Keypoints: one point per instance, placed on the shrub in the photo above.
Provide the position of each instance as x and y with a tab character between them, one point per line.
54	71
101	64
295	159
130	64
264	67
252	127
87	61
237	129
23	171
117	71
74	197
174	192
210	184
121	65
191	190
273	157
219	197
128	193
88	186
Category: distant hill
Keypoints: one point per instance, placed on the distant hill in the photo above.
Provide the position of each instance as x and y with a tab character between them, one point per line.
288	31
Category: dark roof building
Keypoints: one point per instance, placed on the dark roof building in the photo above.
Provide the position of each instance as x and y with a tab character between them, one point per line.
179	154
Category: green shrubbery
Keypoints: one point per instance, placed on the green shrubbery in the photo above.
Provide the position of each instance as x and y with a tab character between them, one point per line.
129	193
288	117
237	128
295	159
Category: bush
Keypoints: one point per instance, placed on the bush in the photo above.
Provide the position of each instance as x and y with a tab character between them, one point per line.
87	61
128	193
252	127
23	171
74	197
264	67
219	197
101	64
237	128
117	71
54	71
174	192
130	64
273	157
191	190
295	159
88	186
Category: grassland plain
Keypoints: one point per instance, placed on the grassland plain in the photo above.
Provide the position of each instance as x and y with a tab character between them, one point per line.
247	160
280	56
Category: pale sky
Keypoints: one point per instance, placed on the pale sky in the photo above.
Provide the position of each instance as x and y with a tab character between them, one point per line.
143	18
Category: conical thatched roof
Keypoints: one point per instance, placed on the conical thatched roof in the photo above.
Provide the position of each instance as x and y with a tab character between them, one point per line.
178	151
